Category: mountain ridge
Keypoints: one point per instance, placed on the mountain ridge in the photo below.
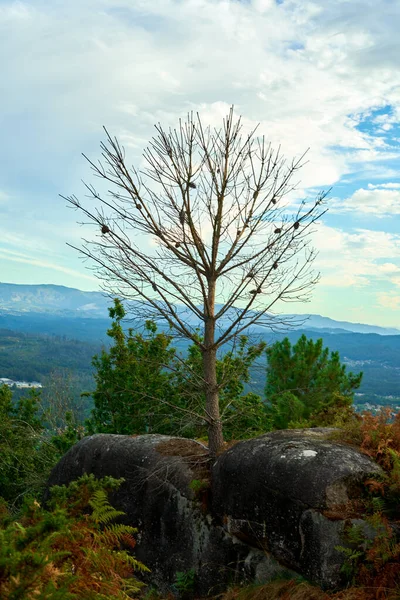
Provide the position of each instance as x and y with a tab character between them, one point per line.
23	299
39	321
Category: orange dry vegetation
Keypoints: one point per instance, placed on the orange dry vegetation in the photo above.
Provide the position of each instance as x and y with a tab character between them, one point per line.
292	590
378	436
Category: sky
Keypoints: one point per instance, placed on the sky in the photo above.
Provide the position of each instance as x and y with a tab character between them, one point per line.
321	74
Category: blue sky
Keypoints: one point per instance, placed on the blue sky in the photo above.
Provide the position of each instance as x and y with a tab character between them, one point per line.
322	74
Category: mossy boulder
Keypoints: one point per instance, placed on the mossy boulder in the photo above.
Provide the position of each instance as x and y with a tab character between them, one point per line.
268	506
289	492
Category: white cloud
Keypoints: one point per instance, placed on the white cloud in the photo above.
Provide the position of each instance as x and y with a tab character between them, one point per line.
14	11
389	300
377	201
17	239
386	121
309	71
388	268
19	257
356	259
386	186
395	281
298	67
4	197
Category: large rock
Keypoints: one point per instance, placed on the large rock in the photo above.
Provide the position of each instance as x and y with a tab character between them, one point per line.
272	492
175	532
266	514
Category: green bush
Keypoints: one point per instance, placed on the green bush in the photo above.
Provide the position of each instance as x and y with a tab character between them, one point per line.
28	451
70	552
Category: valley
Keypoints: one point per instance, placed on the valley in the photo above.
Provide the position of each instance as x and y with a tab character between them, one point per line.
62	337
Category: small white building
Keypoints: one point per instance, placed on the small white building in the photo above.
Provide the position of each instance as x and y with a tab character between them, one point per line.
20	384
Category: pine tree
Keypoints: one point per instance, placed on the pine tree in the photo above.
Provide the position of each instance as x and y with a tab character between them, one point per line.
219	244
133	380
306	381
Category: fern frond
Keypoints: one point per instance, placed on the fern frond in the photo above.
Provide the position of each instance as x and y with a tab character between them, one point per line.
121	533
132	587
132	561
103	512
121	528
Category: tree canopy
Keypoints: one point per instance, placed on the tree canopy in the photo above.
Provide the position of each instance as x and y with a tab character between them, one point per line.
144	385
306	380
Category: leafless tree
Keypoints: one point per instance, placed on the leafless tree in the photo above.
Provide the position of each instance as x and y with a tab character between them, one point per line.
204	233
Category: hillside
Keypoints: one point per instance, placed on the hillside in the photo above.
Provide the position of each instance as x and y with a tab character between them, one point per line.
51	299
31	356
85	329
46	327
44	302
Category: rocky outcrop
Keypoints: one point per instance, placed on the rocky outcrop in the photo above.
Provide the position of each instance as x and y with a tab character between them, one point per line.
265	510
176	534
274	491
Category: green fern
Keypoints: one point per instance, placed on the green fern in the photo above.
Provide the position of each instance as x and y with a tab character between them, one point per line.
378	505
103	513
352	560
132	561
69	553
185	581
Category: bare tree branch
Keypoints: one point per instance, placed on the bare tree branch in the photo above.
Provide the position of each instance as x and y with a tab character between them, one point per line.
207	220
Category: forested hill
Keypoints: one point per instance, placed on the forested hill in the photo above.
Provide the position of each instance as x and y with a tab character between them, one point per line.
50	327
85	329
32	357
28	355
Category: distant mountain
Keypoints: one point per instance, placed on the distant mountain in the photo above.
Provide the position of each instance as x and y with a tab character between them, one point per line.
56	300
331	326
39	311
52	299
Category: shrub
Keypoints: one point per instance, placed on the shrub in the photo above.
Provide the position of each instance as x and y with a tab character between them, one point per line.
374	553
70	552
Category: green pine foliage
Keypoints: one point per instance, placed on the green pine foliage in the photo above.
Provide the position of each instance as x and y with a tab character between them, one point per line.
23	454
143	386
63	438
133	381
243	414
307	385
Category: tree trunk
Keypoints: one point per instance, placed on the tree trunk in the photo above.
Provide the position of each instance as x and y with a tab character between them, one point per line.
215	436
